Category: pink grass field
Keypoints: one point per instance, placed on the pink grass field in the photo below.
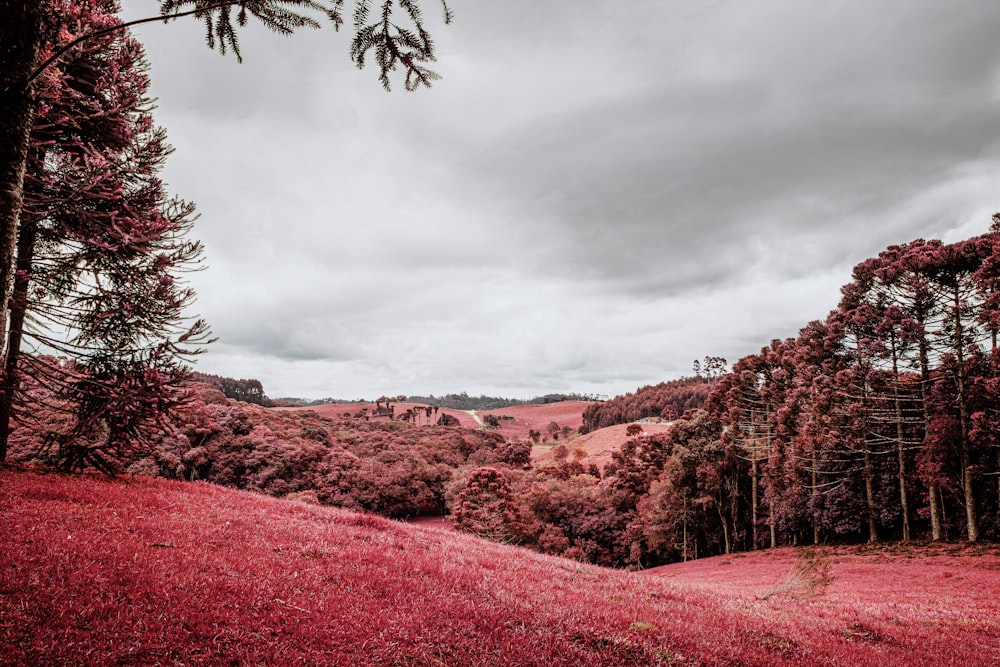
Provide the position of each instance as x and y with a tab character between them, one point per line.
337	409
599	444
150	572
527	417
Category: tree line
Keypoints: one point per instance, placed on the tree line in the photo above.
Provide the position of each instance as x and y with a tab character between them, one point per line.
666	400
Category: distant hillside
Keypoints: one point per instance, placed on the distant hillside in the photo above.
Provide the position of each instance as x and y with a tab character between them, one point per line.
599	444
152	572
465	402
460	401
391	467
519	421
667	400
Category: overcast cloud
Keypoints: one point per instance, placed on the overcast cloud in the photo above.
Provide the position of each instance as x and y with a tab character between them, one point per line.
595	194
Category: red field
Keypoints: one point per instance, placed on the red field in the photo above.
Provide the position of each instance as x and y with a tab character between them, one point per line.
598	444
538	417
939	602
525	417
149	572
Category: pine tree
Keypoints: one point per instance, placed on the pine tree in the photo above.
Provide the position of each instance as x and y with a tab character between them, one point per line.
100	250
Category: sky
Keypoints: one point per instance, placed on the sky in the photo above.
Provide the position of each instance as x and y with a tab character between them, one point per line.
593	195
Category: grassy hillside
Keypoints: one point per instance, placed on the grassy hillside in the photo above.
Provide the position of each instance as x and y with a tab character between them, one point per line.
599	445
145	571
522	418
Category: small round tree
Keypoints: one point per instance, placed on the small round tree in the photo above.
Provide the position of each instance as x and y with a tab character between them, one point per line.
486	507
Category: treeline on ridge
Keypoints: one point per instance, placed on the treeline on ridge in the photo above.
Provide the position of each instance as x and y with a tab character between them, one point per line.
247	390
463	401
666	400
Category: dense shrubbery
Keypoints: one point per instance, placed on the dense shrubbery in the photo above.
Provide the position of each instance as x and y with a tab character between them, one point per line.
390	468
570	509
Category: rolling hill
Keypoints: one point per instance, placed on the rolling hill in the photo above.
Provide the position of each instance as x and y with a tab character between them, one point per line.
145	571
599	444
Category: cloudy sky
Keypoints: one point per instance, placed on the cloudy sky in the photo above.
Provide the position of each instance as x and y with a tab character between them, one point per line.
595	194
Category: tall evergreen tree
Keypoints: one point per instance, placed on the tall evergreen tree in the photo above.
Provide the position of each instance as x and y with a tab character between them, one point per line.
100	249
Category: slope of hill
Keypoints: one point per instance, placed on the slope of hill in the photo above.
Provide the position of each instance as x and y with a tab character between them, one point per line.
599	444
515	421
522	418
146	571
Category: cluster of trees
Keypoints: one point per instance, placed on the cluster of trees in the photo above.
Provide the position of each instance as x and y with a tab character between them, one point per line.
247	390
571	509
99	249
666	400
880	423
386	467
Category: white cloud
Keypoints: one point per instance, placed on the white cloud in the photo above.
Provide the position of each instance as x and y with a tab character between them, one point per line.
590	199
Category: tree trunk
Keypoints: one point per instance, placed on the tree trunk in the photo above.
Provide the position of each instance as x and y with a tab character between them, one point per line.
18	309
754	498
684	549
932	487
866	444
815	492
20	45
734	508
904	501
932	500
998	478
870	497
772	523
722	520
963	422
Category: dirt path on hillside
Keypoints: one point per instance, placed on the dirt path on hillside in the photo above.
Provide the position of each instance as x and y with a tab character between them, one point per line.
474	415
